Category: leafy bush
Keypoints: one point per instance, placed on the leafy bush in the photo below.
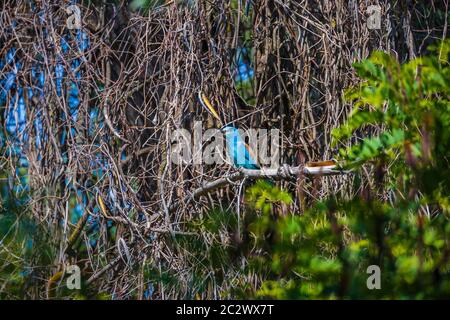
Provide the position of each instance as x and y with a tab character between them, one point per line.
401	223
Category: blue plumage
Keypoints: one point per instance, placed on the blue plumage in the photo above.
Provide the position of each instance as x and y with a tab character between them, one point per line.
238	150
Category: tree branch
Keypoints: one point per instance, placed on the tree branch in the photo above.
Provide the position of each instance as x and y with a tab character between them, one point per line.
284	172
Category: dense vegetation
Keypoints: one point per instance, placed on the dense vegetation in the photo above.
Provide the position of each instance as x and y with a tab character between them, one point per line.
85	178
325	252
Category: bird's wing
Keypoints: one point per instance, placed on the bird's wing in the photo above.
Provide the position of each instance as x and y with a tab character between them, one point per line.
249	155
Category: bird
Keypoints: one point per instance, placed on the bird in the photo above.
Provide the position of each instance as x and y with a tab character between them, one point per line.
239	152
242	156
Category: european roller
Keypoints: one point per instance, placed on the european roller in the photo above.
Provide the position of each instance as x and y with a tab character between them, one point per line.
239	153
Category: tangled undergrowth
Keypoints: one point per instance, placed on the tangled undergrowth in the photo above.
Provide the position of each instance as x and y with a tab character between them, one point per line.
86	122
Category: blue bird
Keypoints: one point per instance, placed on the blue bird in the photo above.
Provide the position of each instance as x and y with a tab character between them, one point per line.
238	150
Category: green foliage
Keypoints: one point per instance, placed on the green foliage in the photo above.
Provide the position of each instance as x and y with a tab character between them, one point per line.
400	131
410	101
24	245
324	252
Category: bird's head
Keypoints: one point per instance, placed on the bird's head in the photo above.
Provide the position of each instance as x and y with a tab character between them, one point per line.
228	130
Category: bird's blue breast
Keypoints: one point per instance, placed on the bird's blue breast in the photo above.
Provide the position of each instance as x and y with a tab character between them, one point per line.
238	152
